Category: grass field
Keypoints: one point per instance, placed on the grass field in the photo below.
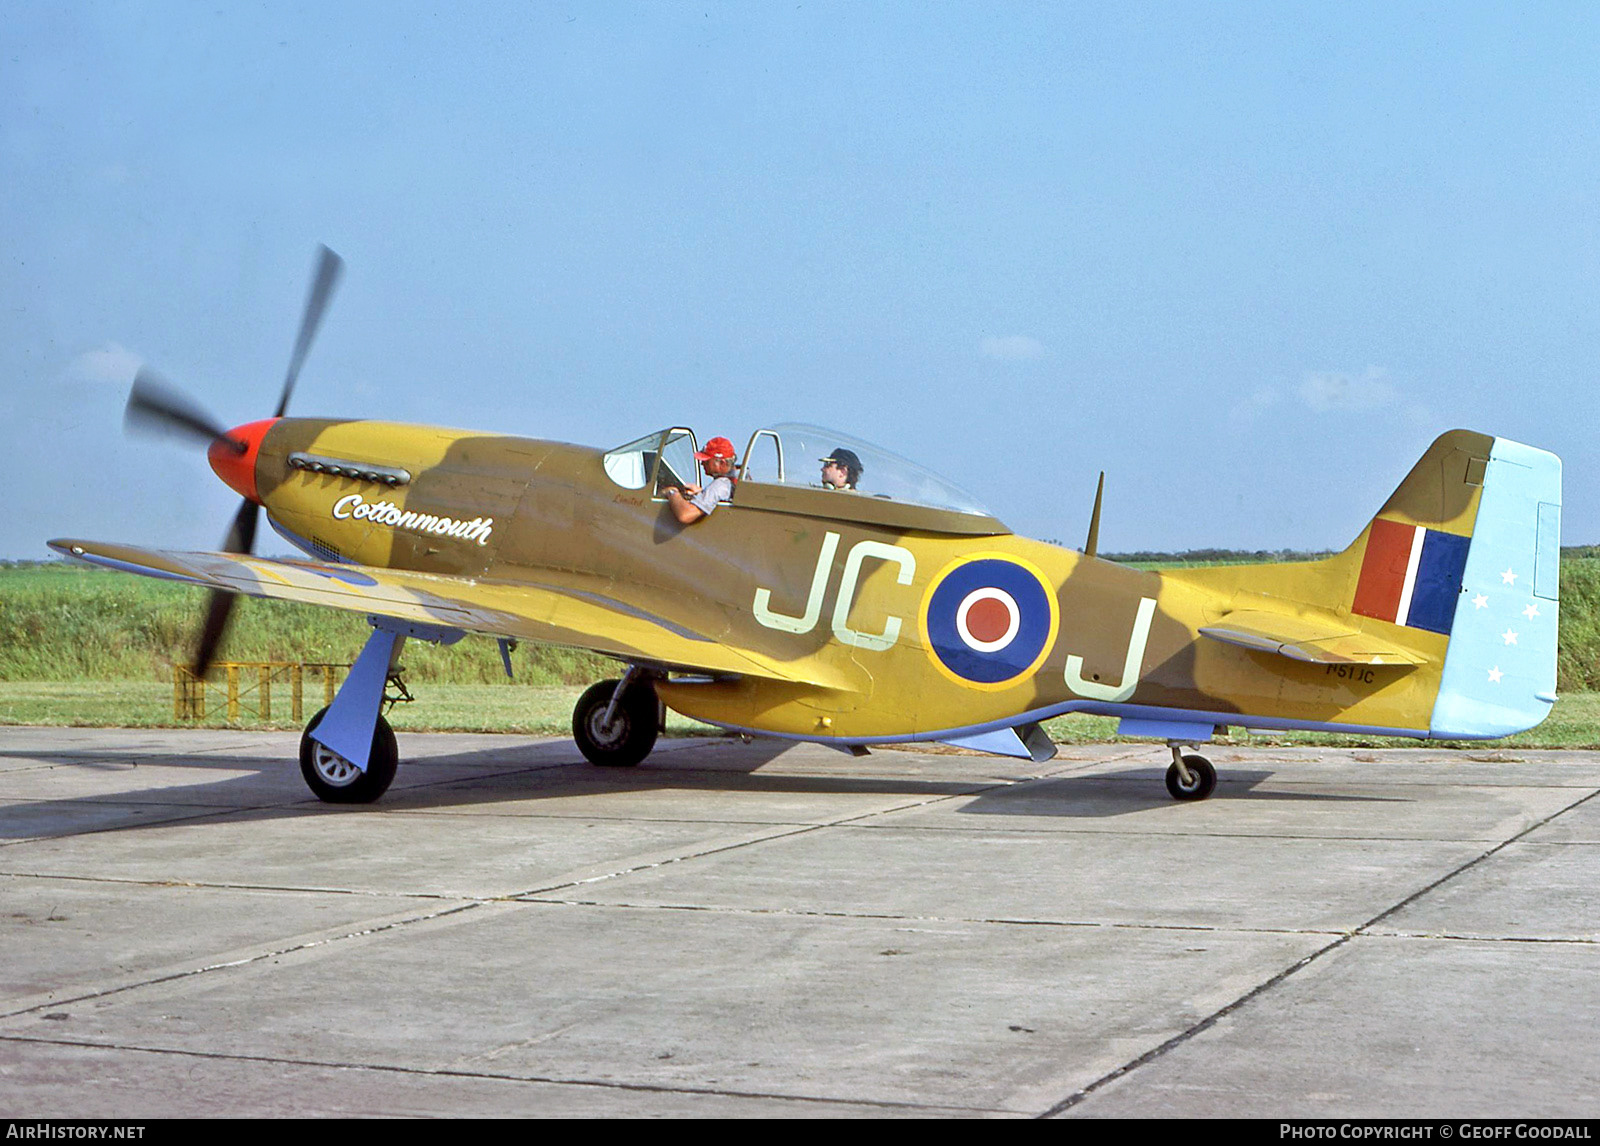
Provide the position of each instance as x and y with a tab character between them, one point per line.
70	622
81	646
546	710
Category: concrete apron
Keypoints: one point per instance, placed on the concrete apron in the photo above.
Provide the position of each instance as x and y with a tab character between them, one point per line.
765	930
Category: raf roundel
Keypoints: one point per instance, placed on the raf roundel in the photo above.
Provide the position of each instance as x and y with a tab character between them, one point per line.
989	620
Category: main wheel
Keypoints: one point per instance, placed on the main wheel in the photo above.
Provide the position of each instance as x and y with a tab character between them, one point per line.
1204	780
632	731
335	779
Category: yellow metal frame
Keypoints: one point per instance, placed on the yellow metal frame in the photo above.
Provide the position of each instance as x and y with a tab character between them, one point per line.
189	691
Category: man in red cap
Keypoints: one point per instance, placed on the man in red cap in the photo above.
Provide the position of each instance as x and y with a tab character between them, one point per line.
693	502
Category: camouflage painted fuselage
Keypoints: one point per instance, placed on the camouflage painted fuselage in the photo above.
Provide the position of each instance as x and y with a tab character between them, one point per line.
859	619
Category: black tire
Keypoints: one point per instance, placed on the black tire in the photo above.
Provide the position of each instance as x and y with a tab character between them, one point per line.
337	781
1205	779
633	729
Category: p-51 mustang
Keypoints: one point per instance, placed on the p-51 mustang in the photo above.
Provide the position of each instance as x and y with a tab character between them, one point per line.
899	611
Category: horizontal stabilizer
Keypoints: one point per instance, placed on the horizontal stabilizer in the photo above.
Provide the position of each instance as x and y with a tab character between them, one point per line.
1303	638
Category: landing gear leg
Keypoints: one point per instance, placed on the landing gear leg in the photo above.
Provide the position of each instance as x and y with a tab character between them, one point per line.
347	752
615	722
1190	777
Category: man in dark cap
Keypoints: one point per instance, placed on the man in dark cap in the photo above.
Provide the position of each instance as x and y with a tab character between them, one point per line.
841	469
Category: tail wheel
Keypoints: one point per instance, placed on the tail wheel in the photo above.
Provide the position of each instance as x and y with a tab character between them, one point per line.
336	780
1202	779
631	733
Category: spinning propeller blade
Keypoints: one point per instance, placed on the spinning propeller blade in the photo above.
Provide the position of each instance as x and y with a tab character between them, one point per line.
154	407
329	267
219	610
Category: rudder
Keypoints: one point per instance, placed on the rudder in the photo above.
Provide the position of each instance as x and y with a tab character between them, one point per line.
1500	668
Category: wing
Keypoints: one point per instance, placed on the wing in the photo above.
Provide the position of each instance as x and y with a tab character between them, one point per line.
547	614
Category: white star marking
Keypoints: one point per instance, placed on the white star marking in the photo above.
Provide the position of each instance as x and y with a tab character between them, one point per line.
1480	602
1495	674
1509	577
1531	612
1510	637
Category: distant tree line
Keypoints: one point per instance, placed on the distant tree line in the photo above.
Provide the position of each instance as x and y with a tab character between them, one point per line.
1216	556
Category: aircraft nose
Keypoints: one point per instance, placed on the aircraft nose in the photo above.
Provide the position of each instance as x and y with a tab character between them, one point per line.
238	467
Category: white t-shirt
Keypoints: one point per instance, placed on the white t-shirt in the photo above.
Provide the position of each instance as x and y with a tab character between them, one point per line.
714	492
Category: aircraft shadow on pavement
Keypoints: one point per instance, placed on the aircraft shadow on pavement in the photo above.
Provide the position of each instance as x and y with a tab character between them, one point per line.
1104	795
230	783
271	786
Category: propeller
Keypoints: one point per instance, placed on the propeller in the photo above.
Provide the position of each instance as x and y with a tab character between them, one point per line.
329	267
156	407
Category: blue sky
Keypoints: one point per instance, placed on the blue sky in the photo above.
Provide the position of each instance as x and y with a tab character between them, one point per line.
1248	259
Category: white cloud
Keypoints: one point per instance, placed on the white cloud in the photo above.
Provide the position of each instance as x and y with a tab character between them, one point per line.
112	365
1333	391
1012	348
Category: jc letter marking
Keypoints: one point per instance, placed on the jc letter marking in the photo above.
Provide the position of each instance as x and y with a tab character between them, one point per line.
849	580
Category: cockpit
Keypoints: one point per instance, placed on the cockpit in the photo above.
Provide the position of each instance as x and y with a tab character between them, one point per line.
852	478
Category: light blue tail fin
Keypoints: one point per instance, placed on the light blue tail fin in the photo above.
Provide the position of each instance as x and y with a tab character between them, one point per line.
1500	667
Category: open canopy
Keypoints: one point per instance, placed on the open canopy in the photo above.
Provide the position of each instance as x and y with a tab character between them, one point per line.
792	453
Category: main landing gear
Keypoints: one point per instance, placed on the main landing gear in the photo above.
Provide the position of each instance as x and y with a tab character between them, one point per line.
347	752
1190	777
615	722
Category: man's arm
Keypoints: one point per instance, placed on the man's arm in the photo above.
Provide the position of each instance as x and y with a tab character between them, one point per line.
686	511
